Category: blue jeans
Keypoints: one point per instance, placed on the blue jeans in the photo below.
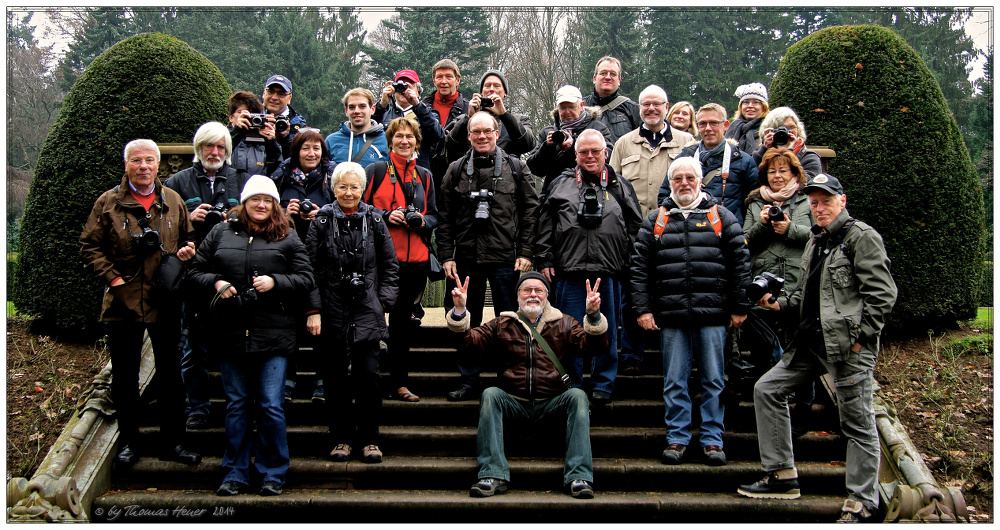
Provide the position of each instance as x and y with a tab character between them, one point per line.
255	381
194	371
503	285
571	298
680	346
632	336
495	406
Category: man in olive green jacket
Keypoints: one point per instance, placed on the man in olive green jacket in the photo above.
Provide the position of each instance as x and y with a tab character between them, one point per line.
846	294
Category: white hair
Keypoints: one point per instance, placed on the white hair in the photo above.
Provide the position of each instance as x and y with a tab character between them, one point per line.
685	161
211	132
776	118
587	133
654	89
141	143
345	168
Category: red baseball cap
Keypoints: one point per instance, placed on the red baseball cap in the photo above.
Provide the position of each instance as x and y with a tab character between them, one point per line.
409	74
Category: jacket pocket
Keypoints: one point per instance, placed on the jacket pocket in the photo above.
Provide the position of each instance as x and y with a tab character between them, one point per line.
630	167
841	273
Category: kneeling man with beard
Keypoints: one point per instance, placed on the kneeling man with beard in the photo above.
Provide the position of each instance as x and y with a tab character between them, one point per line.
532	344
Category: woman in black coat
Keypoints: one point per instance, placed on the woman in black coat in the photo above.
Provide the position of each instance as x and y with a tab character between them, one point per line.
259	272
356	285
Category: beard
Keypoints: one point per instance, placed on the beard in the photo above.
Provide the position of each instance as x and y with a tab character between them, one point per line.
533	308
212	165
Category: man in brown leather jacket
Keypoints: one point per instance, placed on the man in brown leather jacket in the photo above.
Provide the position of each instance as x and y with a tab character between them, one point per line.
532	386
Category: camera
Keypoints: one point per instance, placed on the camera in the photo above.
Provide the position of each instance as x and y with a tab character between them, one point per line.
591	211
215	214
766	283
775	213
257	121
280	124
147	241
306	206
413	218
355	284
399	87
484	197
485	102
781	135
558	137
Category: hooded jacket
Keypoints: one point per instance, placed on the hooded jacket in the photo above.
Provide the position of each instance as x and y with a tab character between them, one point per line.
344	144
339	245
549	161
689	276
526	372
108	251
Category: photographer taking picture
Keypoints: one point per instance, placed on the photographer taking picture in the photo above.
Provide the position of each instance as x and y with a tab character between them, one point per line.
401	98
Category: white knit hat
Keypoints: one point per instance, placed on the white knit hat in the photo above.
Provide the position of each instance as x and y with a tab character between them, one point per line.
259	185
752	90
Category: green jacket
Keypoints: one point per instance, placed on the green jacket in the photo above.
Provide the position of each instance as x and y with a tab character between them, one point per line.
856	289
778	254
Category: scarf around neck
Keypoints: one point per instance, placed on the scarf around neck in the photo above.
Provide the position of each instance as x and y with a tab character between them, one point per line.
779	197
576	125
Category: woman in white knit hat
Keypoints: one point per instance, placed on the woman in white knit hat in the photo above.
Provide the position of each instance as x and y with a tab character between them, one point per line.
745	126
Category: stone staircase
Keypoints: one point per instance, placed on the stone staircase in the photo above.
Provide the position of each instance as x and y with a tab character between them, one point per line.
430	463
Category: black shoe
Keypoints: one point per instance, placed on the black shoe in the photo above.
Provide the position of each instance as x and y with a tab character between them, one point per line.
126	458
631	366
714	455
197	421
487	487
180	455
319	396
463	393
230	488
772	487
288	393
270	488
581	489
673	454
600	398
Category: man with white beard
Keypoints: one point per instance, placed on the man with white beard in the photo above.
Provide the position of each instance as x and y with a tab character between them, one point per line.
531	346
690	270
210	187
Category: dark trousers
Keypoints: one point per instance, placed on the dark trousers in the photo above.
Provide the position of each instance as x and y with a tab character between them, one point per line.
503	285
412	279
125	346
350	369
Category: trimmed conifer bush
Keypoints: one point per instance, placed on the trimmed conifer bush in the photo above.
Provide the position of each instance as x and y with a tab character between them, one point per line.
148	86
864	92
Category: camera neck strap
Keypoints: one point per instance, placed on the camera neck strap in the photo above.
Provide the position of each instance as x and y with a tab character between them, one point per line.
604	178
470	170
342	247
727	157
409	193
563	376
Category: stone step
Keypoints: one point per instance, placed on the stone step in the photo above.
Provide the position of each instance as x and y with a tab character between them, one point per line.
455	506
610	474
459	441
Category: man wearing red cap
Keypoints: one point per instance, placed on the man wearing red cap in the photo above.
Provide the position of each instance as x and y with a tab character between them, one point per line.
397	103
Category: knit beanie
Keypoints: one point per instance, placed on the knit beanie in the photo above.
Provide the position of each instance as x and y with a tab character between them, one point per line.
752	90
498	73
259	185
532	276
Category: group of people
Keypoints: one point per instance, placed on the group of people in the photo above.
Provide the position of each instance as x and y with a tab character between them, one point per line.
651	216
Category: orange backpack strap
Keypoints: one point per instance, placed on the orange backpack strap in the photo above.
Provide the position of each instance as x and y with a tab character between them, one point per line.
713	217
661	222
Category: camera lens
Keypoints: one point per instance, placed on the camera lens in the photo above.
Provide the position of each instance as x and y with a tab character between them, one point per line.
775	213
280	125
306	206
757	289
414	220
558	137
781	136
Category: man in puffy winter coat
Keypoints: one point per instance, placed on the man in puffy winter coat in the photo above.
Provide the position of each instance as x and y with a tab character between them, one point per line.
586	228
359	131
689	275
530	382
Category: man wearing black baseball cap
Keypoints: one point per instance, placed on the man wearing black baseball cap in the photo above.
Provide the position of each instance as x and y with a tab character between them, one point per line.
845	298
277	96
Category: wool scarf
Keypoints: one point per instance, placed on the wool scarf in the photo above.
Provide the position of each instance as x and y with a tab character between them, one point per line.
780	196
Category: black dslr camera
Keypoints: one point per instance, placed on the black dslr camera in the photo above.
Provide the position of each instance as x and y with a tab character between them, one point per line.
355	284
591	211
215	214
413	218
280	124
781	135
146	241
558	137
766	283
399	87
306	206
484	197
775	213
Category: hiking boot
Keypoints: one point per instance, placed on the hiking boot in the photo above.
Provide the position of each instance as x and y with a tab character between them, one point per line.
673	454
581	489
772	487
463	393
487	487
196	422
714	455
270	488
600	398
341	453
631	366
319	396
372	455
854	512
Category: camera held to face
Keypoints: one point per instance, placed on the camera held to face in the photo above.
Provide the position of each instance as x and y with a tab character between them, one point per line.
591	211
306	206
485	102
412	217
766	283
484	197
399	87
781	136
257	121
775	213
558	137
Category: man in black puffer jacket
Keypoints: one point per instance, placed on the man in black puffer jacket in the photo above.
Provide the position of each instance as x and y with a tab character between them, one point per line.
690	270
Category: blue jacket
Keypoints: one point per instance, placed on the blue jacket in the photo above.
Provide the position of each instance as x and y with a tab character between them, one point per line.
344	144
742	180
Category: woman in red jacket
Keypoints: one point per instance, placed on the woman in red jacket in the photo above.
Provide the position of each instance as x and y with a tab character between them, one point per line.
405	192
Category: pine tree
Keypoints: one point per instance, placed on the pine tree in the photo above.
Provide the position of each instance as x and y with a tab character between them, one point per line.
620	33
106	26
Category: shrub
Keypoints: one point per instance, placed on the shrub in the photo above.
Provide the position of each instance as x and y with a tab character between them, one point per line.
148	86
906	171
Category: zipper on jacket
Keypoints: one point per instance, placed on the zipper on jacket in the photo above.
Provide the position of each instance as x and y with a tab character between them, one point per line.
531	368
249	246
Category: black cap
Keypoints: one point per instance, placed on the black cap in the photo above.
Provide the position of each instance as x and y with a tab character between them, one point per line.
533	276
824	182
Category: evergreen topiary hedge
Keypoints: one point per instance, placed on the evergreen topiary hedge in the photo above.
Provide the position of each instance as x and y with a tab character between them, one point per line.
864	92
148	86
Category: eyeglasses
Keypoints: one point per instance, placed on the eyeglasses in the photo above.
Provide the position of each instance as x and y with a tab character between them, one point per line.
590	152
707	124
150	161
652	104
343	188
481	132
752	103
682	178
276	92
607	73
532	290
